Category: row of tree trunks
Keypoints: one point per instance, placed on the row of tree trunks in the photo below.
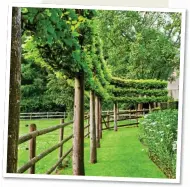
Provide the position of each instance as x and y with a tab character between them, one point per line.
95	125
14	92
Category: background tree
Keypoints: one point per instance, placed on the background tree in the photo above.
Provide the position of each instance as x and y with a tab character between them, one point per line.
147	39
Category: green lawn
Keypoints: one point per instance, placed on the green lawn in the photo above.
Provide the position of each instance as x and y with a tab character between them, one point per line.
121	154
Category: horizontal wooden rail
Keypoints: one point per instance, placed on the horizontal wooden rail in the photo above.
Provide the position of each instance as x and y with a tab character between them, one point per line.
86	117
127	115
121	126
86	126
121	119
42	116
34	134
86	134
42	155
58	162
105	113
34	113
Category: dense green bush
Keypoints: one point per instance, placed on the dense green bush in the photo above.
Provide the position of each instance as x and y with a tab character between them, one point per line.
158	131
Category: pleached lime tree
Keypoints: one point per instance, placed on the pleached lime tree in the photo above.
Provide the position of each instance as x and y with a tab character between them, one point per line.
14	92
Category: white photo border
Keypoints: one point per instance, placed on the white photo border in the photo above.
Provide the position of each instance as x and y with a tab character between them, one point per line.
97	178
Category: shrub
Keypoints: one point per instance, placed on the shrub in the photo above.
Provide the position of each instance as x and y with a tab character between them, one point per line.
158	131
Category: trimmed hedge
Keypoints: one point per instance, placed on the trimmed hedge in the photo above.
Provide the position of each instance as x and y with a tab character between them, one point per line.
136	100
139	84
137	92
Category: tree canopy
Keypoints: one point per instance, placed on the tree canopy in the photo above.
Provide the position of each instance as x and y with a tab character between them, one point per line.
58	43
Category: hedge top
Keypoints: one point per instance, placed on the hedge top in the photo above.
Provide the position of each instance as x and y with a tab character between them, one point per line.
139	84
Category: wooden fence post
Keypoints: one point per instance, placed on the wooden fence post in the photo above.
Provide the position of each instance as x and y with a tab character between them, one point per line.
130	114
137	117
154	105
115	116
108	120
143	111
61	136
32	148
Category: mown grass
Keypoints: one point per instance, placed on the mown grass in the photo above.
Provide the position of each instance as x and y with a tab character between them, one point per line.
121	154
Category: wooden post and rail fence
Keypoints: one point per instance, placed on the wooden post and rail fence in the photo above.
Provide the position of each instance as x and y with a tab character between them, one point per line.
34	133
103	117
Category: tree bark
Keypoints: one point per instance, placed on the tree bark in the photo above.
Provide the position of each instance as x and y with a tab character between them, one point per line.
100	118
115	116
78	128
14	92
97	122
93	152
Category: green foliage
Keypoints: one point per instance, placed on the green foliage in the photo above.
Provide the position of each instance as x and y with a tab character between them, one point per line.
159	134
140	45
149	58
139	84
38	89
33	87
61	90
100	44
137	92
136	100
63	39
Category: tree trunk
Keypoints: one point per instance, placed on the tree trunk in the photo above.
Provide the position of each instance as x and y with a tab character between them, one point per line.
78	128
115	116
97	122
14	92
93	153
100	118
